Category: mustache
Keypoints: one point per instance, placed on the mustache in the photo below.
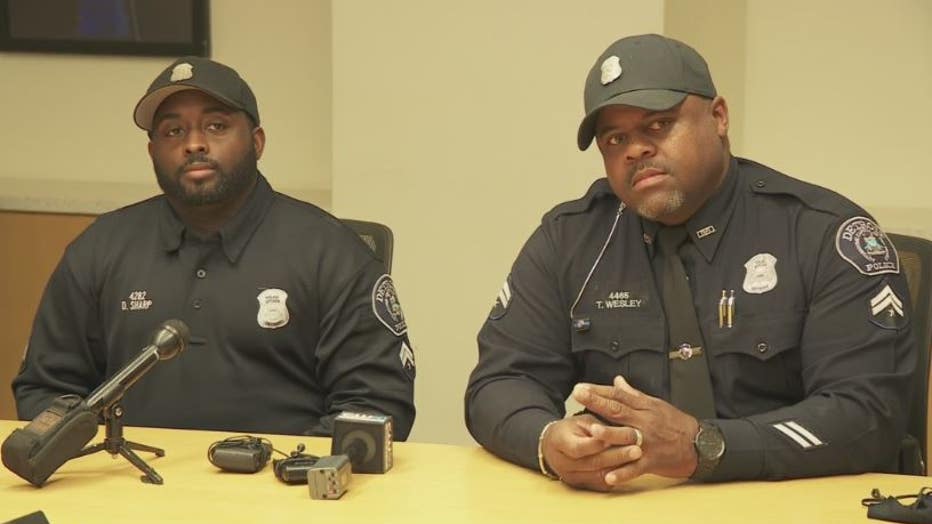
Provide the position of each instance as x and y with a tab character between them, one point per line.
197	158
649	164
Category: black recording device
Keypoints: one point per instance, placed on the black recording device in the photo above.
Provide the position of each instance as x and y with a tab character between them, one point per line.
53	437
59	433
293	468
240	454
367	440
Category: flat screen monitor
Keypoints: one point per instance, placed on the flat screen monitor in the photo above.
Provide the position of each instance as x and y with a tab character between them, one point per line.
123	27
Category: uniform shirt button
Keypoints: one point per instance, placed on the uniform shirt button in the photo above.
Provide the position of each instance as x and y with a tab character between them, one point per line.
196	303
760	183
762	347
614	345
201	273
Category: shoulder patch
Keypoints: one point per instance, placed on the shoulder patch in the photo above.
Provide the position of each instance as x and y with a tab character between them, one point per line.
500	307
386	307
861	242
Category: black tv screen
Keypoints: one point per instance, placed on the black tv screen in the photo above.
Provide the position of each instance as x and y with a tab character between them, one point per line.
124	27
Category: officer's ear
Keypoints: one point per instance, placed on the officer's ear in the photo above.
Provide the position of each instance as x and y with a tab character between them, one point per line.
719	108
258	140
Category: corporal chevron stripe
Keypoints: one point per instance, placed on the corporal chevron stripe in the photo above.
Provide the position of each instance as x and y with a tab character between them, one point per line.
886	299
800	435
504	296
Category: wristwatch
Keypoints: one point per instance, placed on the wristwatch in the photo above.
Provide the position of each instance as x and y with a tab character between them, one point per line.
710	446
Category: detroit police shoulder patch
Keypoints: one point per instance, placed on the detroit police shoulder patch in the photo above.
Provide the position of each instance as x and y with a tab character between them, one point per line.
861	242
386	307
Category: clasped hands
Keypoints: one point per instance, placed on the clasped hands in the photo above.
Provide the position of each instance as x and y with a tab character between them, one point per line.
586	452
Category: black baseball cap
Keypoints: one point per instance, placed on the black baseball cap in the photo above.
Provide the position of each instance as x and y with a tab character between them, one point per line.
195	72
652	72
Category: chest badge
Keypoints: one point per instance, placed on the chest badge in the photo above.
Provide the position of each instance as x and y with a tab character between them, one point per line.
273	308
761	274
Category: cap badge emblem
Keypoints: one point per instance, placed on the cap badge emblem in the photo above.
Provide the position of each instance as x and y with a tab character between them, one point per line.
181	72
611	70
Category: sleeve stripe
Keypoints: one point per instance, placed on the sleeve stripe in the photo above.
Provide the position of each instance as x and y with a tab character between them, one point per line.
804	432
790	433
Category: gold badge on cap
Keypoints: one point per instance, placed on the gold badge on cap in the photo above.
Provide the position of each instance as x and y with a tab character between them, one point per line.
181	72
611	70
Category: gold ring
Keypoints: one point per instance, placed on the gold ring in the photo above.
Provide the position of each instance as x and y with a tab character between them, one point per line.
638	437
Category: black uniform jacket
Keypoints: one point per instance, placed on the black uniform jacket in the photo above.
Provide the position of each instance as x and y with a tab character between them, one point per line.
813	377
292	320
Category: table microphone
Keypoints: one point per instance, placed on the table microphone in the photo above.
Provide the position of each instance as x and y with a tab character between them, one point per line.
60	432
168	340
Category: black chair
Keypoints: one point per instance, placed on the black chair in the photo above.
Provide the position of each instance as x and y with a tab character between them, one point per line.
916	264
377	236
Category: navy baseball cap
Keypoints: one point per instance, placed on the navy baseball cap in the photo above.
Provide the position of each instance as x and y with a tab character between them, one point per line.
195	72
652	72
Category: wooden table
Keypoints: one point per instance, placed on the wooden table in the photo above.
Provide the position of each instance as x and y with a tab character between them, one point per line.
429	483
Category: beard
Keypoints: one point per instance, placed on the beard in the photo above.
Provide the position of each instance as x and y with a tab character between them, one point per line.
657	206
223	187
660	203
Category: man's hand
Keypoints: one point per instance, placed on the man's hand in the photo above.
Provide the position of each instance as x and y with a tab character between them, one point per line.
580	458
667	446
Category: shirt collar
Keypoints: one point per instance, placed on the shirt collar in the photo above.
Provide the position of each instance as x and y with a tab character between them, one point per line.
234	235
707	226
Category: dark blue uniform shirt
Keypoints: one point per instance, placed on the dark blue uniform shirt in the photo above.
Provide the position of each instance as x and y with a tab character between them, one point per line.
813	377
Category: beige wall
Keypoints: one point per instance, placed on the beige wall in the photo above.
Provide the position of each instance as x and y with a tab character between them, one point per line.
455	123
838	93
67	118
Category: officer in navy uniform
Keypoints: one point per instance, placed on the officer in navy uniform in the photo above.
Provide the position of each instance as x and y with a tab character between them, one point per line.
802	308
292	317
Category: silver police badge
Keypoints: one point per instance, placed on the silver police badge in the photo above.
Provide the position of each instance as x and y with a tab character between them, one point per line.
386	307
182	71
861	242
611	70
761	274
273	310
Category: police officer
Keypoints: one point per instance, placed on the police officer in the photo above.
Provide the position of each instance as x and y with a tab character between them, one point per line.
770	340
292	317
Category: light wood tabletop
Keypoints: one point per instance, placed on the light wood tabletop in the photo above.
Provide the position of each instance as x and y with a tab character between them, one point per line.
428	483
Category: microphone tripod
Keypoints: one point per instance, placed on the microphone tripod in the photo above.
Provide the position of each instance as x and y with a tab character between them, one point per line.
114	443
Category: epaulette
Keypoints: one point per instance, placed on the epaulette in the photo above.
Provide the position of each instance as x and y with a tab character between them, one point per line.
596	192
768	181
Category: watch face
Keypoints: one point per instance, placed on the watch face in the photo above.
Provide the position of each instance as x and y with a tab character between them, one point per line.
709	443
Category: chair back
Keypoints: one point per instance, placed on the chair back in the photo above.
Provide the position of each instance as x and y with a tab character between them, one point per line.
377	236
916	263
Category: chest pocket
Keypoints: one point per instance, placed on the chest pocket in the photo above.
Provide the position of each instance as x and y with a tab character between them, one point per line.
623	343
759	358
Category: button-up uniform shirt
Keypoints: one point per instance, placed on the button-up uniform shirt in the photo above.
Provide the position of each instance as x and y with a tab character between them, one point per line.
813	375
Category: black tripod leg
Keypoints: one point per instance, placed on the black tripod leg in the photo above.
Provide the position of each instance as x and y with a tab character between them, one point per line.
159	452
150	477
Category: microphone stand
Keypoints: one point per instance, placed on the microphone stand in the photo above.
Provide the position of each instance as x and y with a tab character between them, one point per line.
114	443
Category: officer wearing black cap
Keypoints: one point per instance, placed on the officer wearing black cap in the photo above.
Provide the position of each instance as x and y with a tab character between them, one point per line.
292	317
717	320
